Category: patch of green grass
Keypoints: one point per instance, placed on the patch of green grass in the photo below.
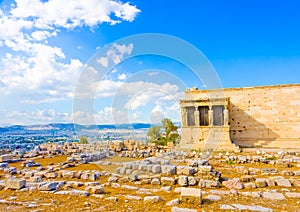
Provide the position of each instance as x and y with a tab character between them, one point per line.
271	158
230	162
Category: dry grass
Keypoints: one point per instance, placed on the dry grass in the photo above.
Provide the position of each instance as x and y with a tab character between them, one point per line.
53	202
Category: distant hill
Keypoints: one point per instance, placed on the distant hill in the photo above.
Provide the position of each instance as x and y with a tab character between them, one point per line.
68	129
71	127
22	134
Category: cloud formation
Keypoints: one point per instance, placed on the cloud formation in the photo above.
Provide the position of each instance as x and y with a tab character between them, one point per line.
29	64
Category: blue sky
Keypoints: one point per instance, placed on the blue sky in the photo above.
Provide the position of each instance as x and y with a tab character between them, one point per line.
45	45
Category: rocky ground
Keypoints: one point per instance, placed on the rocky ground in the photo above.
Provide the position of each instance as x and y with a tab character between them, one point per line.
258	180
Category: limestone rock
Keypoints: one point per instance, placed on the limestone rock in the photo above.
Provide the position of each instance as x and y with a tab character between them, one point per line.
273	195
91	183
233	184
293	195
112	199
99	189
183	180
213	197
168	169
129	187
247	178
204	169
252	208
283	182
73	193
226	207
15	183
36	179
152	199
156	169
173	202
261	182
131	197
133	177
209	184
177	209
168	180
250	185
270	182
192	181
295	182
113	179
185	170
191	193
178	189
219	192
47	186
51	175
269	170
155	181
166	188
251	194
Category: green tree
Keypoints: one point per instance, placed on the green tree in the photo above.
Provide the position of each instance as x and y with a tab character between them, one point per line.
171	133
154	134
83	140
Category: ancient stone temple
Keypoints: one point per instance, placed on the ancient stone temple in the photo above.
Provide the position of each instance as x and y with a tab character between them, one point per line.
205	122
263	116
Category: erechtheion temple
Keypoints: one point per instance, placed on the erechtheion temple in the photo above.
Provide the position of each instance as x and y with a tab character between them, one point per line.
264	116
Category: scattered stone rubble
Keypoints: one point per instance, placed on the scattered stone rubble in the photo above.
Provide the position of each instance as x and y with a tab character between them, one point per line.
194	180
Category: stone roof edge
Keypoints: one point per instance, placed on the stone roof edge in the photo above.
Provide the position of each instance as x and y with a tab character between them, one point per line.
242	88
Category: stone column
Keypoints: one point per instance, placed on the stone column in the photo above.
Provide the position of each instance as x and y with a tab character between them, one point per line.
226	116
211	116
184	116
196	114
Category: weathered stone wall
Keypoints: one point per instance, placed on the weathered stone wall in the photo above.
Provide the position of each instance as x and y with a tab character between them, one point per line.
266	116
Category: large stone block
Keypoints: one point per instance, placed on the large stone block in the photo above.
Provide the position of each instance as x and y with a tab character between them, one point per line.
51	175
15	183
156	169
155	181
191	194
152	199
283	182
273	195
185	170
168	169
183	180
74	192
99	189
209	183
167	181
204	169
47	186
192	181
261	182
233	184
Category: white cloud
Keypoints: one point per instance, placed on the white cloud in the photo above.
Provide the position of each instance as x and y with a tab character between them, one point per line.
103	61
42	35
132	99
40	116
122	76
157	108
36	70
74	13
107	115
115	54
114	70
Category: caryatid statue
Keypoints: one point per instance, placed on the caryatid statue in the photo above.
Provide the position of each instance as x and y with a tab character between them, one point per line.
211	117
226	116
183	116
